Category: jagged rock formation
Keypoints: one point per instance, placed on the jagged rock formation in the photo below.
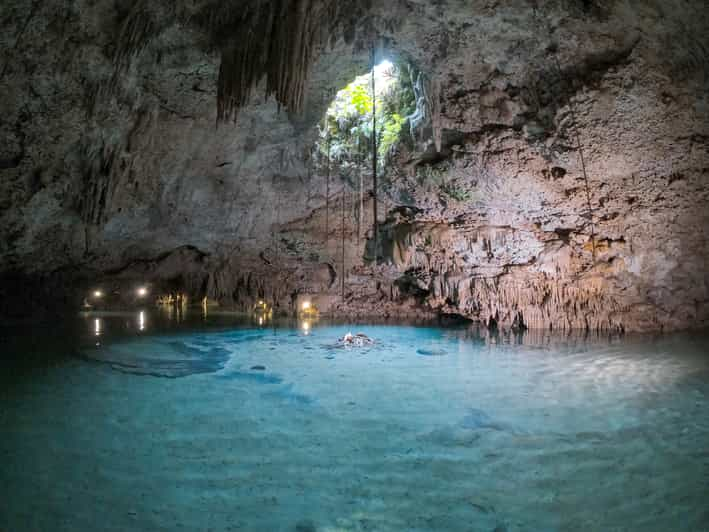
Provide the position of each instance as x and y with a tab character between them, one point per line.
113	166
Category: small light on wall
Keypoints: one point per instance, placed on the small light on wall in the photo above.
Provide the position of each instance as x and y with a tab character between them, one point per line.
142	291
306	305
260	302
98	293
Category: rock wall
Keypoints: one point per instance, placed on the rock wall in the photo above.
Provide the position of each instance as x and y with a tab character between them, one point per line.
113	163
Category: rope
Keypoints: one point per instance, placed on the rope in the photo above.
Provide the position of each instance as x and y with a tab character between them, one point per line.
374	159
327	186
579	146
360	158
342	277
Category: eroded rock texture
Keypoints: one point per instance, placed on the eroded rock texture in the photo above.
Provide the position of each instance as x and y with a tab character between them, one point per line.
113	163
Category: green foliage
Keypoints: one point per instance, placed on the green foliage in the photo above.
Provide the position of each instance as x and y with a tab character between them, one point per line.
390	133
360	99
347	131
401	99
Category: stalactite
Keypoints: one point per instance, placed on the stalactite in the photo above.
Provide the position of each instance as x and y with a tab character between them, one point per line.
143	23
432	93
136	31
20	34
99	180
280	40
275	40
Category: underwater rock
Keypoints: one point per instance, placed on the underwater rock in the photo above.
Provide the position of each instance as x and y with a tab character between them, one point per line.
431	352
287	395
170	359
305	525
258	368
477	419
452	436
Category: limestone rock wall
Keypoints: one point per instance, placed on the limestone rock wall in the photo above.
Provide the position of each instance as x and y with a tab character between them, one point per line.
112	160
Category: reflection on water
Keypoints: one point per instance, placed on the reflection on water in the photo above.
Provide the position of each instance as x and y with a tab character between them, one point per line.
218	423
305	326
166	317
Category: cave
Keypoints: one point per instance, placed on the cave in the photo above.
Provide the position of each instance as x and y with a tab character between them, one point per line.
354	265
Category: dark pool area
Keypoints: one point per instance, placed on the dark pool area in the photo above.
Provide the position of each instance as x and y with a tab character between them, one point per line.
123	421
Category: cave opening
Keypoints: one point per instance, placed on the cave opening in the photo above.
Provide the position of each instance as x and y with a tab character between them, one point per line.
359	142
360	115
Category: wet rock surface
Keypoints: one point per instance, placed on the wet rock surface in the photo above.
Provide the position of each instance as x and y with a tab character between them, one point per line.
111	166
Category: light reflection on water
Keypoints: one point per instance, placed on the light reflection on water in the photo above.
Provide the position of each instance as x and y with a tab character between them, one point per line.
196	424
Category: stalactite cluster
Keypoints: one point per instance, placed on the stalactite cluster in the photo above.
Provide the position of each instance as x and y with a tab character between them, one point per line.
474	277
142	23
137	29
277	40
538	302
433	101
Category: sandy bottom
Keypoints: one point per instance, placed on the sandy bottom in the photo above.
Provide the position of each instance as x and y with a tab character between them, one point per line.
429	429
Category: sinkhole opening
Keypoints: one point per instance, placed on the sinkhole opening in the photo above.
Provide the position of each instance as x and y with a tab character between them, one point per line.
378	106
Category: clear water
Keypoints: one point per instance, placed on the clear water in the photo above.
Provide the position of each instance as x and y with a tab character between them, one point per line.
138	424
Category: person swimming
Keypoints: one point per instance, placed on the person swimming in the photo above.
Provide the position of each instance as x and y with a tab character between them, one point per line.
355	340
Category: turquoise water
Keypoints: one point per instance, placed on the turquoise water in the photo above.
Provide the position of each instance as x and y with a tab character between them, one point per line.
138	423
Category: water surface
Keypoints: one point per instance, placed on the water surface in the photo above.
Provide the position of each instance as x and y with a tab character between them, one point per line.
129	422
